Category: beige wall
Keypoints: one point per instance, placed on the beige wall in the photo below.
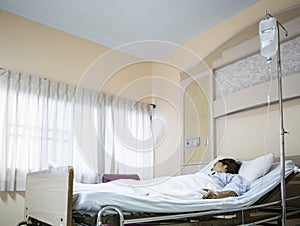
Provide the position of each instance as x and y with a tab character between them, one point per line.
196	121
133	81
167	122
36	49
11	208
252	133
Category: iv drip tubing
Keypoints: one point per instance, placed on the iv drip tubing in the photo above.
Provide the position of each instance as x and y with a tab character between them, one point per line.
268	107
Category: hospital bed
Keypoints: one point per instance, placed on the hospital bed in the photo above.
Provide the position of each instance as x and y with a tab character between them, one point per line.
50	200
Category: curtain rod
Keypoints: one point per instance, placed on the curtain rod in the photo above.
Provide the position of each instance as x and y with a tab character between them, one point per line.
153	105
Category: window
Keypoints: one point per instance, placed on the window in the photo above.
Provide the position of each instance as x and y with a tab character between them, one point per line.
49	123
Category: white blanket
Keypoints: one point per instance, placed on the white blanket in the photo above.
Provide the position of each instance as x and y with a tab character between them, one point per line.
180	187
168	194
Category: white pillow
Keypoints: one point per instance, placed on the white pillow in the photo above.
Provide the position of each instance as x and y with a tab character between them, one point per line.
253	169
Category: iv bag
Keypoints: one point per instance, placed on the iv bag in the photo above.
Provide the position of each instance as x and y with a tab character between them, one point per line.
268	34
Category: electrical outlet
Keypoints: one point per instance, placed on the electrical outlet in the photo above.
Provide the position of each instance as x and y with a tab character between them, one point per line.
192	142
189	143
196	141
206	142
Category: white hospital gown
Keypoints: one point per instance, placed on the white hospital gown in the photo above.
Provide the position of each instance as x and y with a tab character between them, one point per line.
233	182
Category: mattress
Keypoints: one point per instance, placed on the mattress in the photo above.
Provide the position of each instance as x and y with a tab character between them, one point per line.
184	197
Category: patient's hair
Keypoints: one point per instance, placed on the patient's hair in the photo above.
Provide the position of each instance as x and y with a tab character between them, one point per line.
233	166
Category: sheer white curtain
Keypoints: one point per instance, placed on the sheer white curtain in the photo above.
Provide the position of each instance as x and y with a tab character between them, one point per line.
88	158
44	122
113	135
125	136
34	132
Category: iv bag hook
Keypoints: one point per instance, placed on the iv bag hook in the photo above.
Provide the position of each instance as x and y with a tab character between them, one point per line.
268	15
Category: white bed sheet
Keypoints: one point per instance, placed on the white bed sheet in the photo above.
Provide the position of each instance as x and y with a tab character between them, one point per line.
185	197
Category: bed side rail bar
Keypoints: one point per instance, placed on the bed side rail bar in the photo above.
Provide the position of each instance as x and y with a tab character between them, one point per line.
191	215
108	208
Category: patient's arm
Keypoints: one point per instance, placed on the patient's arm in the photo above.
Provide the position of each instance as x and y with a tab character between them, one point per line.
218	195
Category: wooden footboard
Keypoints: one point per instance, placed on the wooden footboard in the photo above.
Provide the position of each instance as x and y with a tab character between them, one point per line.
48	196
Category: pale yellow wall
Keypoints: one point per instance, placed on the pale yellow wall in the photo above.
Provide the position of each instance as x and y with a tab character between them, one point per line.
11	208
249	134
196	121
132	81
167	122
36	49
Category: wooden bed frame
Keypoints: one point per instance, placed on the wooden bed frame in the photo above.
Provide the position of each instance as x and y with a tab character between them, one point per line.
48	196
48	201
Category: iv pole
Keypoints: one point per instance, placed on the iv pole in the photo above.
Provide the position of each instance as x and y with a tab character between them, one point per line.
281	131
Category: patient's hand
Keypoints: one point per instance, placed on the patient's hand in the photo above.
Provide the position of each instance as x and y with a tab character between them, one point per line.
210	194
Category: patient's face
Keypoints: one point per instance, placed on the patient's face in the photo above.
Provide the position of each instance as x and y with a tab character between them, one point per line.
219	167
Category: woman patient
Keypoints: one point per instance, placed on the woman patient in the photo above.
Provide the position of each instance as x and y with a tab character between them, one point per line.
225	173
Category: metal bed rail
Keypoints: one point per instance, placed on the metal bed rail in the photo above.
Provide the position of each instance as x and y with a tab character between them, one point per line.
124	221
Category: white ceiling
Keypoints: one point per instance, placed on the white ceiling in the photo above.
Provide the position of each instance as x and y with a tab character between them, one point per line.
122	23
